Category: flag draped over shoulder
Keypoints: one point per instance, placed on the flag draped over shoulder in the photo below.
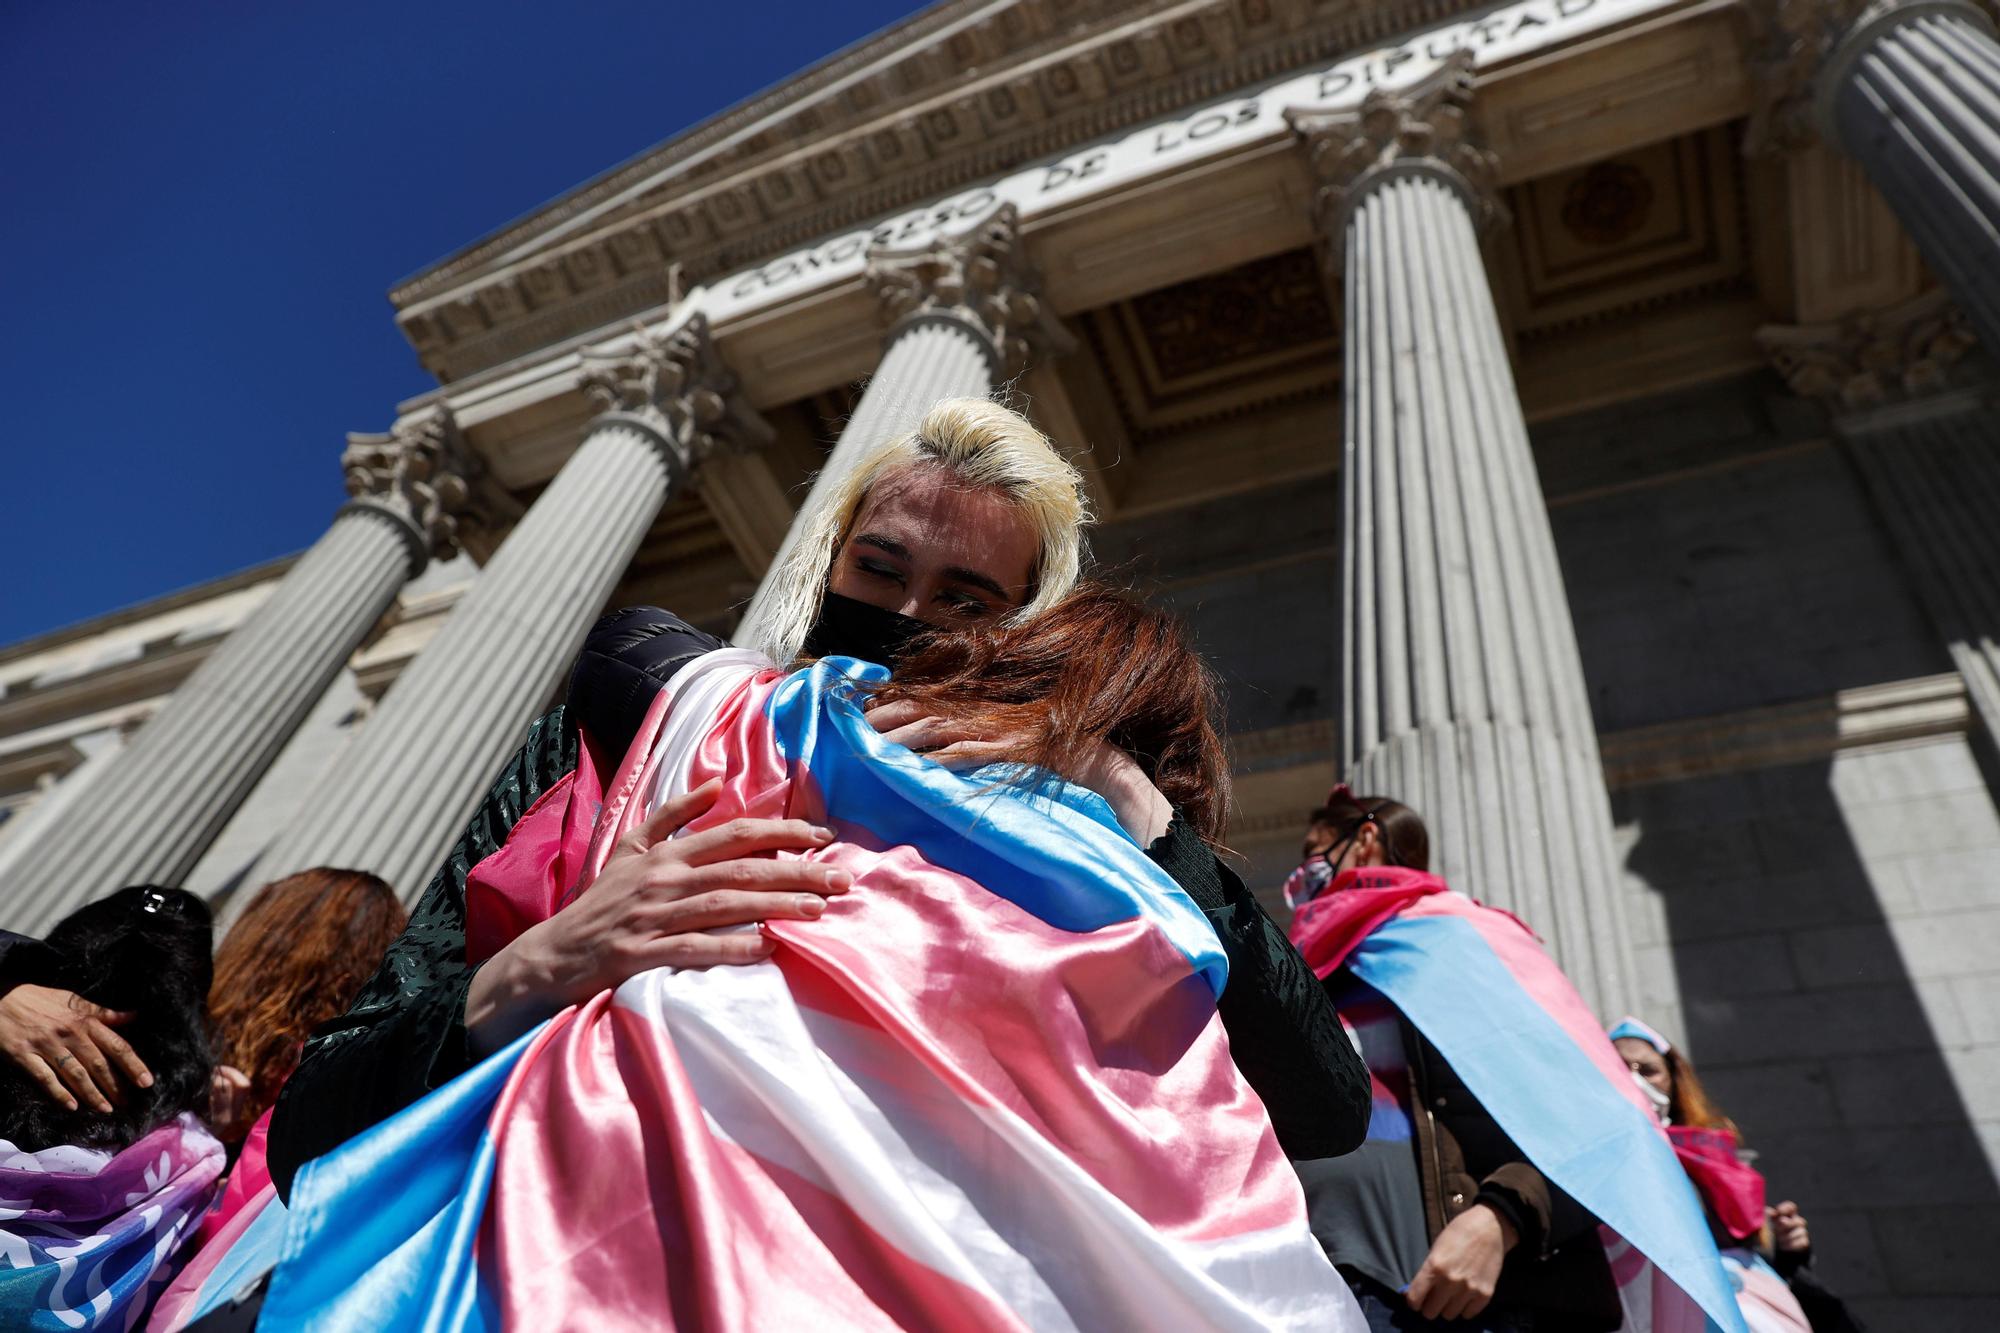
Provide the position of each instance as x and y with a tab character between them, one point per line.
986	1090
87	1236
1480	988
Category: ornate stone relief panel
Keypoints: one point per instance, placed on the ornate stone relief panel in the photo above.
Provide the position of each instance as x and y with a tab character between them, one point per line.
1631	233
1225	344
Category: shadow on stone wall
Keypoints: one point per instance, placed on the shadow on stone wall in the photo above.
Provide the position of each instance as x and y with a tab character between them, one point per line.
1846	1057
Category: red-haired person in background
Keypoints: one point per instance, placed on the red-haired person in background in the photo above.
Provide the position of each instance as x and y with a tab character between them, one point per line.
1763	1248
296	957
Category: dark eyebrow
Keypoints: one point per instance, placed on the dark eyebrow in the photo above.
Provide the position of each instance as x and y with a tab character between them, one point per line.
960	574
886	544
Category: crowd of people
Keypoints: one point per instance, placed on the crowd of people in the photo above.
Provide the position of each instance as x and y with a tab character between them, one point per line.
904	952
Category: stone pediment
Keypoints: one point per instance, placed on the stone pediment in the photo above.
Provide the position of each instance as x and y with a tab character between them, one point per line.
958	93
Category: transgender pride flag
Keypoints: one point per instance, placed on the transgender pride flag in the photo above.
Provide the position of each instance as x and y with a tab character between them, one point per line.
987	1090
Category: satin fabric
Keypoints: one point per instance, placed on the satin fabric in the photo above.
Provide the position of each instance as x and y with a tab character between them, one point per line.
986	1090
239	1240
1481	989
1730	1186
1037	1031
88	1238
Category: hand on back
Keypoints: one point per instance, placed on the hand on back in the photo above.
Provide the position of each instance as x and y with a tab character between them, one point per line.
661	901
67	1045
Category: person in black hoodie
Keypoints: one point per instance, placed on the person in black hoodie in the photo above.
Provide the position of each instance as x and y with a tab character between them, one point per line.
971	518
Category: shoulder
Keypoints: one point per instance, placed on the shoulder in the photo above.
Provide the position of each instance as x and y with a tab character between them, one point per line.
627	657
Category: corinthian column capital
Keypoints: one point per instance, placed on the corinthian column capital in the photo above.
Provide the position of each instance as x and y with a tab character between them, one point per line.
1872	358
1801	52
980	281
678	390
1422	130
421	475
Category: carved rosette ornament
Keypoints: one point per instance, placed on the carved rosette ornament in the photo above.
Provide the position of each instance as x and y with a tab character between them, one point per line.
422	475
1873	358
1419	130
677	387
981	281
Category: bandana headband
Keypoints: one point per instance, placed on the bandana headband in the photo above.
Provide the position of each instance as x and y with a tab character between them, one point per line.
1629	1026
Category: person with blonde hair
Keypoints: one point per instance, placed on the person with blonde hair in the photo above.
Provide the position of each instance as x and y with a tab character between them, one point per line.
973	517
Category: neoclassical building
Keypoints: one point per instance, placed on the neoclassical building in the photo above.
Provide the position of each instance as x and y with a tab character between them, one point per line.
1575	417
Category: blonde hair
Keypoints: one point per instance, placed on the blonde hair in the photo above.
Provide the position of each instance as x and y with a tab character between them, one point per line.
981	446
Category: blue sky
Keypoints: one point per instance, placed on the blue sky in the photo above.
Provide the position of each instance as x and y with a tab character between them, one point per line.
205	204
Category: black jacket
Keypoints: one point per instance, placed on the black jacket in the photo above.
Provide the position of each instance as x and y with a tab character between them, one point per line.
405	1034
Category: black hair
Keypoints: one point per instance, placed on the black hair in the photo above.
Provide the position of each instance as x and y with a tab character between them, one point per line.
144	950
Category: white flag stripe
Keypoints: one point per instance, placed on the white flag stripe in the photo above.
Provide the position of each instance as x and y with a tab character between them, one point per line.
1013	1215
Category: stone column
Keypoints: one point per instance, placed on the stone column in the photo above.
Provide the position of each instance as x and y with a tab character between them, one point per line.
1461	687
165	798
964	315
1929	452
397	798
1911	90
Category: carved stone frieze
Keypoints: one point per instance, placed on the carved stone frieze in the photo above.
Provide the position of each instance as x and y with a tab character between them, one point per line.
930	105
1422	129
680	385
981	280
1873	358
422	473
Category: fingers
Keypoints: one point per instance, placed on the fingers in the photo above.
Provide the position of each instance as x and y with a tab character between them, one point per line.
889	716
969	754
929	733
756	877
76	1077
120	1053
736	907
723	948
1422	1294
104	1084
671	815
40	1070
744	837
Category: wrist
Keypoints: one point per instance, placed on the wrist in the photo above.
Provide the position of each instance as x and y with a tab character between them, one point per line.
1141	809
510	992
1510	1236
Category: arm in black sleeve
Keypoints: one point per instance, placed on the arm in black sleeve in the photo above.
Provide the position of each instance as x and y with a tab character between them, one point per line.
1283	1031
405	1034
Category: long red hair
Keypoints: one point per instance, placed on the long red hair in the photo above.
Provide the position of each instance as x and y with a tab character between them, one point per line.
297	957
1096	667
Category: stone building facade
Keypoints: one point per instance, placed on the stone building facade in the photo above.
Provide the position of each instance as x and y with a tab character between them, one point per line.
1578	417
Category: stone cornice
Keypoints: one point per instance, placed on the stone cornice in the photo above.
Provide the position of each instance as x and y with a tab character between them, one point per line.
1872	359
1416	130
1033	88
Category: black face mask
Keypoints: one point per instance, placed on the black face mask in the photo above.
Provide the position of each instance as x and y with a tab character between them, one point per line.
847	628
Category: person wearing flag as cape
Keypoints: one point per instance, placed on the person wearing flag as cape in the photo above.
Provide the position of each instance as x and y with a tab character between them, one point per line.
1514	1176
972	518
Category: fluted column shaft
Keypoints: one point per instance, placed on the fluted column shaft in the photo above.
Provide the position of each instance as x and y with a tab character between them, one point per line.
1912	92
397	797
166	797
1462	690
925	361
1935	476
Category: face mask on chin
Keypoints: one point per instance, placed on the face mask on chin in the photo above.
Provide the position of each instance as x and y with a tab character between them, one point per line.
1308	882
847	628
1661	1103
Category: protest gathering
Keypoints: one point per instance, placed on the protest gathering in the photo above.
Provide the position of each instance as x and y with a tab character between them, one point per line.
1087	666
